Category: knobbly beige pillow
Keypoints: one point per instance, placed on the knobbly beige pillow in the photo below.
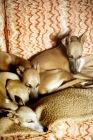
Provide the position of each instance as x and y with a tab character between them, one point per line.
65	110
67	113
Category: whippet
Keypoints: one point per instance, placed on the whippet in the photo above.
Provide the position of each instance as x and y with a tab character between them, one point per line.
26	117
12	88
67	56
61	64
22	115
28	74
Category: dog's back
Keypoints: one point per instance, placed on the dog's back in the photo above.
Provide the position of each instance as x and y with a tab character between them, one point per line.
67	55
9	62
52	59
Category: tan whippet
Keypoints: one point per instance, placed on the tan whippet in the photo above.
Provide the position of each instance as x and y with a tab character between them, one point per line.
61	64
4	101
21	115
26	117
28	73
67	57
11	86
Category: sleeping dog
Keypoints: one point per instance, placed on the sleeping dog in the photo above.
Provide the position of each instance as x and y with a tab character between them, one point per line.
29	74
61	64
17	95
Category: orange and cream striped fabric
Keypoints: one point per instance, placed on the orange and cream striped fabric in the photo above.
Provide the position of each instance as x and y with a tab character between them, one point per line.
33	24
2	27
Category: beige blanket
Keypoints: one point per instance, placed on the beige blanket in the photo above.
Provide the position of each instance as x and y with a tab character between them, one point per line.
60	112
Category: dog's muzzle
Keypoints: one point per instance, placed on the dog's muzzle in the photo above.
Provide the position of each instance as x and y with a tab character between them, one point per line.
73	66
33	93
76	65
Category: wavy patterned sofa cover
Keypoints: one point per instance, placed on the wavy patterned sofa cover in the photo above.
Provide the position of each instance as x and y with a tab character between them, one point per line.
30	26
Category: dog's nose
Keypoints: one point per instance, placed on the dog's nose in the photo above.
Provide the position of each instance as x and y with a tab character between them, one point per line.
35	93
45	129
74	72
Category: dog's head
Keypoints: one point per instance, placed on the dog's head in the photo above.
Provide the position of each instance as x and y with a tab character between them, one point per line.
17	91
6	103
25	116
31	79
74	47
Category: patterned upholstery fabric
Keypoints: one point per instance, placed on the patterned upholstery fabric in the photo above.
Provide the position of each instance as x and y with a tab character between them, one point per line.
2	26
32	25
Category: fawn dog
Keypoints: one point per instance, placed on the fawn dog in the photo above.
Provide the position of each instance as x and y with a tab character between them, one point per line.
61	64
28	74
15	108
26	117
12	88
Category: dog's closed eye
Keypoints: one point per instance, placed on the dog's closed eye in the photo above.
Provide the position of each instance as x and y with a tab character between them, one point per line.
31	121
79	56
37	85
70	56
29	85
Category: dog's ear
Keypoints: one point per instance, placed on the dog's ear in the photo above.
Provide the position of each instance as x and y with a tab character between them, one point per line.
19	100
6	82
81	38
20	70
12	115
66	41
37	67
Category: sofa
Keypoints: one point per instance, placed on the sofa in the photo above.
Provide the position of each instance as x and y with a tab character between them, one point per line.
28	27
